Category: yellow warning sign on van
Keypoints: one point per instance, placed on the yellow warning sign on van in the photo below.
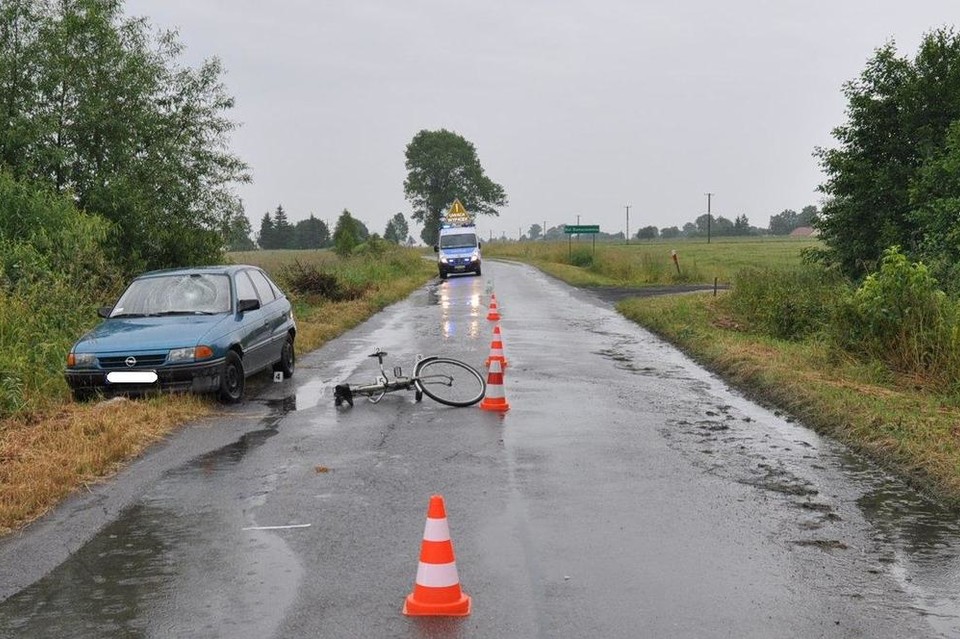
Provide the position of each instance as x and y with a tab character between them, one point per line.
458	214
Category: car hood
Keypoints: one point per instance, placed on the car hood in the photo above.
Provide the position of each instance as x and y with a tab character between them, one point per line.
147	333
467	250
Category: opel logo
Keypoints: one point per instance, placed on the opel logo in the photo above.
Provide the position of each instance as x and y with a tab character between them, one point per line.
130	361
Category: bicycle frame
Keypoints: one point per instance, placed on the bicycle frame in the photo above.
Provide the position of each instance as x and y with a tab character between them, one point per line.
375	392
443	379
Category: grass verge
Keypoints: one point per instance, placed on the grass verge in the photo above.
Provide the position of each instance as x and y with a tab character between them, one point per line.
47	454
912	432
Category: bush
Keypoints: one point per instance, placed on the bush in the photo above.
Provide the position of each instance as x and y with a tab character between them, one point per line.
582	257
310	280
785	303
53	274
899	316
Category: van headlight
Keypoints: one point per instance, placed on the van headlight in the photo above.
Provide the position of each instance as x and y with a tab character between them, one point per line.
475	256
443	259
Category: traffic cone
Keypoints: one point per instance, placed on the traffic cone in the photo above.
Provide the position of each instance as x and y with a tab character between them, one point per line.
496	348
494	398
436	591
494	314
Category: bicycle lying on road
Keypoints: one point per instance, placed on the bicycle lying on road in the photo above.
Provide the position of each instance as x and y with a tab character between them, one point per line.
442	379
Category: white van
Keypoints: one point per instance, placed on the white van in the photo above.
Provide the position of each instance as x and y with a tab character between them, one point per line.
458	250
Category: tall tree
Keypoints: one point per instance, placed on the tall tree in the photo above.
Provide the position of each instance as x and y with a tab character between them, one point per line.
807	215
311	233
648	233
345	234
741	225
783	222
282	229
96	105
236	233
899	112
397	229
441	167
535	231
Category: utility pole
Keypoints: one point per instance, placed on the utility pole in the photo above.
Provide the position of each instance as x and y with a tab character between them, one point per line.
544	230
709	197
627	206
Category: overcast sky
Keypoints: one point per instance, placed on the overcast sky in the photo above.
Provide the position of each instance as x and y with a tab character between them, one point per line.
576	107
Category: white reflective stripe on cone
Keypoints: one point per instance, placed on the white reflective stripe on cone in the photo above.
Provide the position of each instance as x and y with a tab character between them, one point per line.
437	575
436	530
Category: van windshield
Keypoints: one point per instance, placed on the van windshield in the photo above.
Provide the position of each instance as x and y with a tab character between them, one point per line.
459	240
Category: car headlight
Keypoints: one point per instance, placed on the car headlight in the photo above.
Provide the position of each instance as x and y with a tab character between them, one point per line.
193	353
443	260
475	256
81	360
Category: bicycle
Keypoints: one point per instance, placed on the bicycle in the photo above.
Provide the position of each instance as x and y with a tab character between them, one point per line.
442	379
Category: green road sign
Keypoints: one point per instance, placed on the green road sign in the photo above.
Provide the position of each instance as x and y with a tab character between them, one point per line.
581	228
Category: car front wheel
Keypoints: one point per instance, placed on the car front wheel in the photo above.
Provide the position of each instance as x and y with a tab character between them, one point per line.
287	362
232	379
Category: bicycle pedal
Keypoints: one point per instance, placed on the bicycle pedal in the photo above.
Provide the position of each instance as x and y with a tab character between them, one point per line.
397	372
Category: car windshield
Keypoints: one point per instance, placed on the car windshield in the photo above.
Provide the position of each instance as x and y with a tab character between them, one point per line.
459	240
193	294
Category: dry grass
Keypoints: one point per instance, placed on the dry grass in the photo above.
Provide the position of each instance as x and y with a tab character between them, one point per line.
46	456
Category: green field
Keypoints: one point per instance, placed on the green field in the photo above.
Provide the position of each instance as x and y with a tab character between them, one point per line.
643	263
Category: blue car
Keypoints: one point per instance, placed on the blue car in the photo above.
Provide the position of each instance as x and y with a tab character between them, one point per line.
202	330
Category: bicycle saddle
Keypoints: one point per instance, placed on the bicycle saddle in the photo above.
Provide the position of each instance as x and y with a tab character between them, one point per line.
378	353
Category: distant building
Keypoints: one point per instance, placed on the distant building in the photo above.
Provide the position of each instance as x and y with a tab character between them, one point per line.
804	231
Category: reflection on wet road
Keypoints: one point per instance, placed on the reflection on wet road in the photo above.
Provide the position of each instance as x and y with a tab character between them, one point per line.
627	493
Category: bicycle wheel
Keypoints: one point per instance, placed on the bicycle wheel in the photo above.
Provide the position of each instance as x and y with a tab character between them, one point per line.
449	381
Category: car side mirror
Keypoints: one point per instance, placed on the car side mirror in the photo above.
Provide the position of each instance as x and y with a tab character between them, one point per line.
479	244
104	311
247	305
436	249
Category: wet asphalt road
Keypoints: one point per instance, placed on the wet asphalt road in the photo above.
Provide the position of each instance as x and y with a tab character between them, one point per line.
627	493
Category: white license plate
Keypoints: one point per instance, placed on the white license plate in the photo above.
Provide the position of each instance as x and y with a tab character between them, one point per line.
132	377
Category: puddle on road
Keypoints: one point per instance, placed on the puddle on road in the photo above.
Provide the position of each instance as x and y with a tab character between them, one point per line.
914	539
179	556
159	571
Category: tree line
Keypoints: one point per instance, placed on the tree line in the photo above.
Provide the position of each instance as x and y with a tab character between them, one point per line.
782	223
277	232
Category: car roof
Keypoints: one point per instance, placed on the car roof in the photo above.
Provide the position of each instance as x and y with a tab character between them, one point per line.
221	269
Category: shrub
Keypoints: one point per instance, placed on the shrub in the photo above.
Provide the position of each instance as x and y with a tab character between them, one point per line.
53	274
900	317
582	257
785	303
310	280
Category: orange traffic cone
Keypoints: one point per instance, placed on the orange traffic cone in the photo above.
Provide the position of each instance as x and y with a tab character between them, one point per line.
495	399
496	348
494	314
436	591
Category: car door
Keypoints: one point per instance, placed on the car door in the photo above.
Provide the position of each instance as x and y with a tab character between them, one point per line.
254	333
274	314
